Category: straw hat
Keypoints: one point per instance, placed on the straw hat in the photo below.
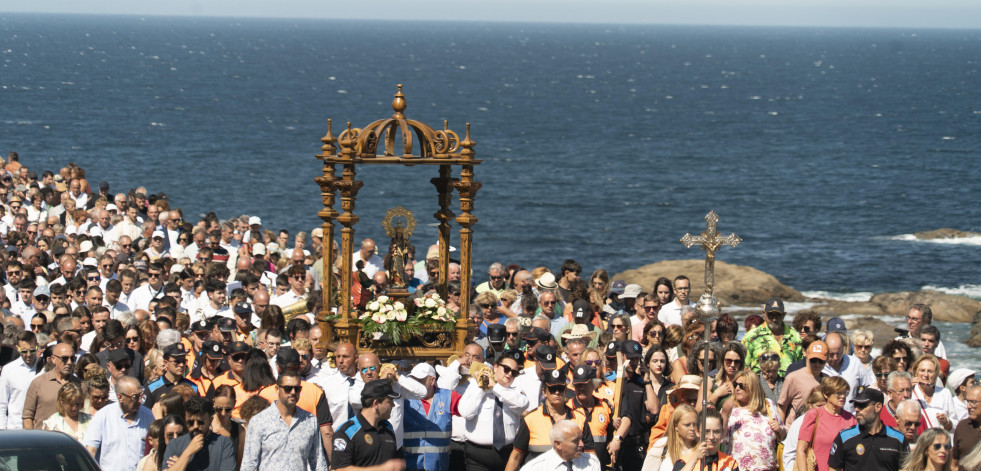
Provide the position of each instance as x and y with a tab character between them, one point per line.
547	281
691	382
579	331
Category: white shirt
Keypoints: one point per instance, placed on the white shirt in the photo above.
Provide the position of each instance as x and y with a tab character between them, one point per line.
550	461
942	402
140	297
477	408
450	379
14	381
670	313
337	388
853	371
287	299
530	385
12	294
120	443
116	309
371	266
85	345
25	311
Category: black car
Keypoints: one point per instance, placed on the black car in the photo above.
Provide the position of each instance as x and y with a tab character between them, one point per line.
36	450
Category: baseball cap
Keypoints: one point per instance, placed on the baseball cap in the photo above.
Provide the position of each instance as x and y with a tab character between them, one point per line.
581	310
259	249
288	358
618	287
632	349
238	347
227	324
817	349
212	350
42	290
159	234
537	334
201	326
631	291
583	374
555	377
515	355
835	324
117	356
613	348
175	350
242	309
254	220
545	356
866	395
774	305
422	371
379	388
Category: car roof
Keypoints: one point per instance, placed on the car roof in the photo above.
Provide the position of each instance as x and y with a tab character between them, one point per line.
34	439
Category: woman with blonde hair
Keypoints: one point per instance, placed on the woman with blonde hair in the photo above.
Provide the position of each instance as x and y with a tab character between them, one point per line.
754	426
937	402
599	287
821	425
69	419
680	440
932	453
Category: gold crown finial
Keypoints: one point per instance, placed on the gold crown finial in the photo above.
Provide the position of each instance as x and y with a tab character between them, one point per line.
398	104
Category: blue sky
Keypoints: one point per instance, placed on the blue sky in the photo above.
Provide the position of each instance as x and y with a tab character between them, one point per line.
849	13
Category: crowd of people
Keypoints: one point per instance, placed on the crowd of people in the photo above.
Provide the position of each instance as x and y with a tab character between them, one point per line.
161	343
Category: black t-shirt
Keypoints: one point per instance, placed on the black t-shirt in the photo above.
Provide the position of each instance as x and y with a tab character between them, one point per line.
855	448
357	443
632	406
218	453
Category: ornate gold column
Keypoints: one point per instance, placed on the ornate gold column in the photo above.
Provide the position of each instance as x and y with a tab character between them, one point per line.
444	188
328	214
467	188
348	187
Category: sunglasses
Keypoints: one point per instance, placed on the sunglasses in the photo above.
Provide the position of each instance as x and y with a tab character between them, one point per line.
937	446
557	389
497	277
656	333
739	386
770	357
730	361
650	308
193	422
291	389
593	362
28	351
816	360
370	368
133	339
238	358
153	275
64	359
508	370
618	326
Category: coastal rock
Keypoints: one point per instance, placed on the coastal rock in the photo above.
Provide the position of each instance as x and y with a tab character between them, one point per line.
945	233
734	284
946	307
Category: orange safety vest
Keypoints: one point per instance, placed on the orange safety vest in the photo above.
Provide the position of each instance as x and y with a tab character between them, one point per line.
241	395
539	424
310	395
599	419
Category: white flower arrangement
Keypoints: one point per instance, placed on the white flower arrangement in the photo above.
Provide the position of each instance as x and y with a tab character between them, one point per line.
382	316
433	311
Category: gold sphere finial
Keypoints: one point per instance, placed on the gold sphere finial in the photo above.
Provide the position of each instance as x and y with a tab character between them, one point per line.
398	104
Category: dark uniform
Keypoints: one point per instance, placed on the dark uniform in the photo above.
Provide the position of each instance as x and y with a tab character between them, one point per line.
358	443
857	449
634	446
160	387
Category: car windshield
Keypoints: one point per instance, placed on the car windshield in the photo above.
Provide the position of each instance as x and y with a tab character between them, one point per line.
50	459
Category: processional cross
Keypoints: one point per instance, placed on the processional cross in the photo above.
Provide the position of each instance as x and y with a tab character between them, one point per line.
708	306
710	241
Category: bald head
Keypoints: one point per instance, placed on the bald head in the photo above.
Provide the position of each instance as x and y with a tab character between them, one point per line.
127	385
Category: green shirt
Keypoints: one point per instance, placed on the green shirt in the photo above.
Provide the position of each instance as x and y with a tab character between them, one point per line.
761	339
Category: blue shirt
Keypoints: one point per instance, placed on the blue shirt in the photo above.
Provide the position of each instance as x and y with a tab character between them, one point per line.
121	442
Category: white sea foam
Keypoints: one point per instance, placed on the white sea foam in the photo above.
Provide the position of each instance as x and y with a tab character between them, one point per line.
969	290
974	240
860	296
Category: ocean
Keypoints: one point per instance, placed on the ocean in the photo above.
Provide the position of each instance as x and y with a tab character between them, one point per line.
823	148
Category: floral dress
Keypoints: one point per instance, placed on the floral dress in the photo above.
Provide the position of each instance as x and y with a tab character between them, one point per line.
750	440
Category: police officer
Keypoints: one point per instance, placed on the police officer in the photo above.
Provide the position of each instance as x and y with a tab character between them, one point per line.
367	439
175	366
870	445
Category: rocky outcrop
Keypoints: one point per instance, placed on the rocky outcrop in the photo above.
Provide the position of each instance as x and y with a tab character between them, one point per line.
945	307
945	233
734	284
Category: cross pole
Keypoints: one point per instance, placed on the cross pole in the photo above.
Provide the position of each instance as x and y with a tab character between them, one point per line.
710	240
708	306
